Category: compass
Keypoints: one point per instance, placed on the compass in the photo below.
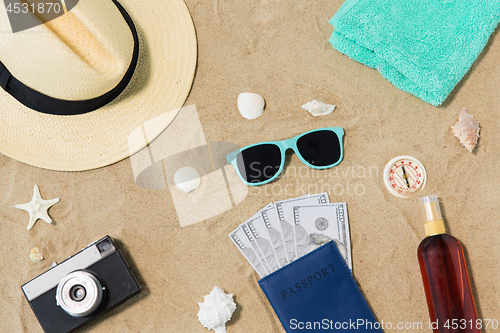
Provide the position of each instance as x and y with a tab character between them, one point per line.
404	175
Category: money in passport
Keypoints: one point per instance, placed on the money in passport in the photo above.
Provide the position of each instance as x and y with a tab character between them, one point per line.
272	222
256	248
244	244
285	214
260	233
316	225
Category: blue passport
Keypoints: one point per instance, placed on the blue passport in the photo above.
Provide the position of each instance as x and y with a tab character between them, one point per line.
317	293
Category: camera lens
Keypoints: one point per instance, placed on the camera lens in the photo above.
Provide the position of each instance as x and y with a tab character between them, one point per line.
77	293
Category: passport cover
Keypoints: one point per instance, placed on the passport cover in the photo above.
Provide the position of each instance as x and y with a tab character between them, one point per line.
317	293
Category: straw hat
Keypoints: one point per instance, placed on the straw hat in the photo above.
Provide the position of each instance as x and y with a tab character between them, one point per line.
94	61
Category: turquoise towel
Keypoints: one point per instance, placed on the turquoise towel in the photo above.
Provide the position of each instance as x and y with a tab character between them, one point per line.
424	47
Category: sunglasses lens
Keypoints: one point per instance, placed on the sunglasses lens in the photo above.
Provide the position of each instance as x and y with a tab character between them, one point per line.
320	148
259	163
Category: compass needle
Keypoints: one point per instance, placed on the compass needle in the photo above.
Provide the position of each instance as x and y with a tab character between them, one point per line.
405	176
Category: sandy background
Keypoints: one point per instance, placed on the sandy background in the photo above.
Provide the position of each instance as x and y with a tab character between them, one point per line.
280	50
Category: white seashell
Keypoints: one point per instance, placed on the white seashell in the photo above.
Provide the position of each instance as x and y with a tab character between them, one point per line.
466	130
36	255
317	108
318	240
251	105
216	310
187	179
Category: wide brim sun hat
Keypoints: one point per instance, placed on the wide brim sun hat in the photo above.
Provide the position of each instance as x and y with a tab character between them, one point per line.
77	88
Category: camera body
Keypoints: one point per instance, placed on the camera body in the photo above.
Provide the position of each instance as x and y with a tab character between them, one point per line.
81	288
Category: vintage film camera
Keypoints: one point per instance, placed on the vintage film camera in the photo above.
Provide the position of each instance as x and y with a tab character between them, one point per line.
81	288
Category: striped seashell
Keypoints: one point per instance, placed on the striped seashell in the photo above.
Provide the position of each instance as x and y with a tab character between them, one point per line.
187	179
466	130
251	105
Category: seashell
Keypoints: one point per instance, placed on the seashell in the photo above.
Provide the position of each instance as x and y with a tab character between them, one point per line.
466	130
36	255
187	179
216	310
317	108
318	240
251	105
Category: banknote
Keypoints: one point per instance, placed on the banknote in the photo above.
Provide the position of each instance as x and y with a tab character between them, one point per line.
318	224
261	235
256	248
285	214
244	244
272	223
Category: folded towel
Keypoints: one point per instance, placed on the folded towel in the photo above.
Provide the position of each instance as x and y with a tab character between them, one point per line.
424	47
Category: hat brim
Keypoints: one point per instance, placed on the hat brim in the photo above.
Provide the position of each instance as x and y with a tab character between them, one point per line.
159	87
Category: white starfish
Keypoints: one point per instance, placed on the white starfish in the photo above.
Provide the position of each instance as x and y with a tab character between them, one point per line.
37	208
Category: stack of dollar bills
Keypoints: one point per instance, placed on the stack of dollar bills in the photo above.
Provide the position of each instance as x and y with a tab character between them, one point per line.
286	230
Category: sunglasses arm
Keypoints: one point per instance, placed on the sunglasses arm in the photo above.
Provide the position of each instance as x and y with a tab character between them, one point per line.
232	156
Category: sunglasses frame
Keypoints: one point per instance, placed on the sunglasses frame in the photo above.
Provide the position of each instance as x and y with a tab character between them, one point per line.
284	145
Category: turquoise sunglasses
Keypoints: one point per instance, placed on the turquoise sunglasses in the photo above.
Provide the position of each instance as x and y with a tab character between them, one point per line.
261	163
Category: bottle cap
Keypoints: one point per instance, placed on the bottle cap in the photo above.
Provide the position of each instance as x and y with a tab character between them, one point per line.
430	207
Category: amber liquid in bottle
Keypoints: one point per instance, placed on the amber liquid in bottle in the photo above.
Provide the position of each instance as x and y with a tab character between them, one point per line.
445	277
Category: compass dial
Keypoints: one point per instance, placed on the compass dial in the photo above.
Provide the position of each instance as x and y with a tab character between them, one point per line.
404	175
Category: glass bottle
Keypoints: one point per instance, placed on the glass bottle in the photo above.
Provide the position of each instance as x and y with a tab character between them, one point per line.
445	277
